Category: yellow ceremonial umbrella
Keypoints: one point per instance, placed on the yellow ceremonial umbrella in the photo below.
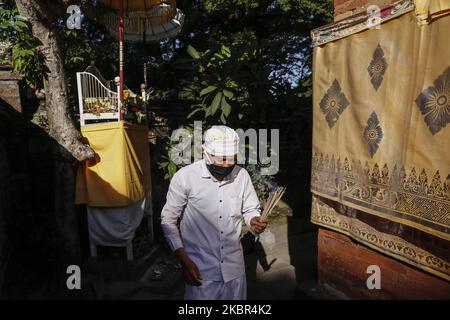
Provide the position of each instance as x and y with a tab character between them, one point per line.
137	14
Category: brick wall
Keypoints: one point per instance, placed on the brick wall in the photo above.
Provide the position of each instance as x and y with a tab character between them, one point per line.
342	266
346	8
9	87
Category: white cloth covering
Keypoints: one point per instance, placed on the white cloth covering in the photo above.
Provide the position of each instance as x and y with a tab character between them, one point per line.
218	290
115	227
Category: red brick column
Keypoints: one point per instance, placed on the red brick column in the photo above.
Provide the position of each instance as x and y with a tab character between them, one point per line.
342	267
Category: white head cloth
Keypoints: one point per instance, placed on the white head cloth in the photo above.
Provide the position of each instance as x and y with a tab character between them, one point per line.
221	141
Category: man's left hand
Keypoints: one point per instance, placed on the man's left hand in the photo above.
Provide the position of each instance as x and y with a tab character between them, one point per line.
258	225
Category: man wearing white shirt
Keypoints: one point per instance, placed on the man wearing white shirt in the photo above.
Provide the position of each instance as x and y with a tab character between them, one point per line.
210	197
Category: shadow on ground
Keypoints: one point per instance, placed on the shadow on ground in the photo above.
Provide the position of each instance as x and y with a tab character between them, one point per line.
283	265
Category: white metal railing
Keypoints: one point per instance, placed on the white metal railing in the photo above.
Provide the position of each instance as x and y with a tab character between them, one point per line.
95	100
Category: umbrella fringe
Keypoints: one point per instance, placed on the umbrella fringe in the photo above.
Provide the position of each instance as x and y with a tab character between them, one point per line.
132	5
154	33
138	21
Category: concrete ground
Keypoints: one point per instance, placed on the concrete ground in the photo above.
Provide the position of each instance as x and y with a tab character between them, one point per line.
284	262
281	265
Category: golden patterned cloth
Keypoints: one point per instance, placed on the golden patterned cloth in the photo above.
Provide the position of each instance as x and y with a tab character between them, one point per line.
381	143
429	10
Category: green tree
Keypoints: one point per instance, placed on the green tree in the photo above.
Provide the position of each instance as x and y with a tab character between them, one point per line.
242	62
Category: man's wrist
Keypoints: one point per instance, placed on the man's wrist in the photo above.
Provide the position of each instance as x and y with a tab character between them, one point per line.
181	256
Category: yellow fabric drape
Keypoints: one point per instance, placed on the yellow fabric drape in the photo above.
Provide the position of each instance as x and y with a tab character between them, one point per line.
120	173
381	131
425	9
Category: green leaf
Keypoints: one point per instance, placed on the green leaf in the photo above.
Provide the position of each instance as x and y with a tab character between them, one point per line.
240	116
218	55
172	168
223	119
208	112
194	112
21	18
20	25
228	94
226	51
207	90
216	101
226	108
18	64
163	164
231	83
76	59
192	52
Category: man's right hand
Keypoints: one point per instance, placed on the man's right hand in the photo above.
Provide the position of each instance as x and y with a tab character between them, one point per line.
192	275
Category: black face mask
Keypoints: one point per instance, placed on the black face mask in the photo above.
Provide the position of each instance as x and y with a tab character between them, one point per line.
219	171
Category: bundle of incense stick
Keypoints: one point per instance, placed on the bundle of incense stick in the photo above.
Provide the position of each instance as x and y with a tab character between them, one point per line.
271	201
